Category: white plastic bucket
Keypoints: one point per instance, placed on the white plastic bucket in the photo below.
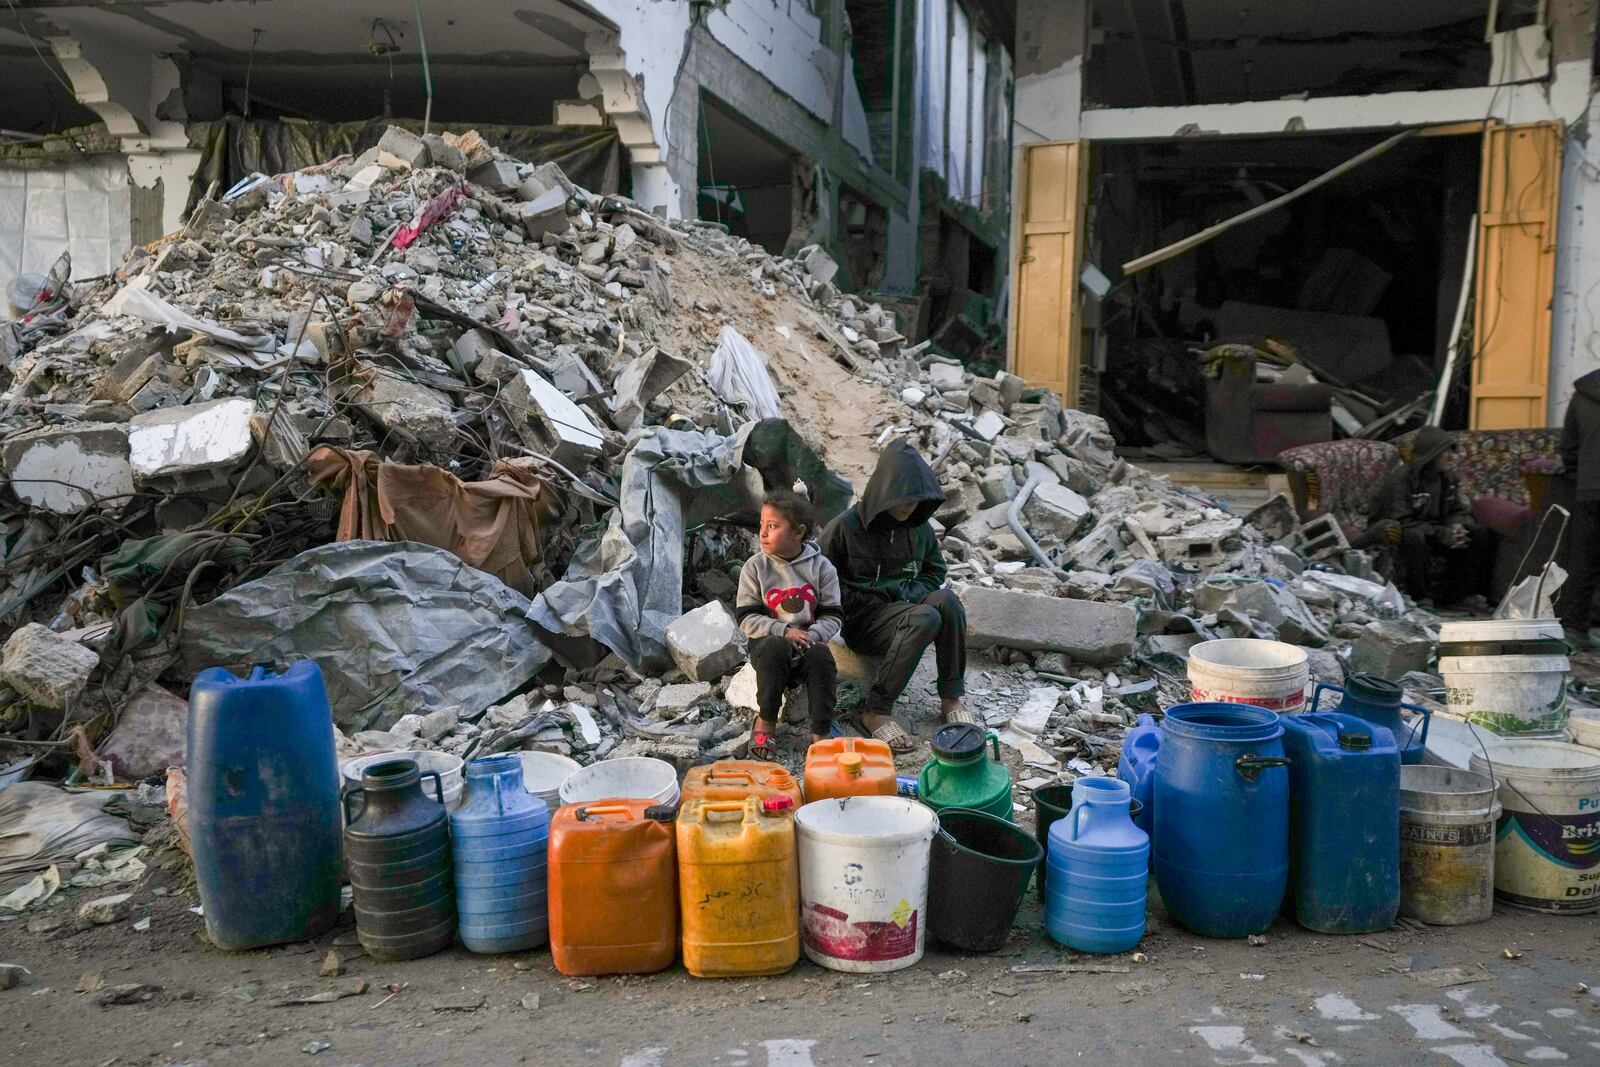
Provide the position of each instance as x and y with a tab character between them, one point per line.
543	773
1548	852
1245	670
446	766
635	777
1515	696
1498	631
864	881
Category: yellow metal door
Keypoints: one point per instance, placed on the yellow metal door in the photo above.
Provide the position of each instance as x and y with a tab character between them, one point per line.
1047	258
1516	275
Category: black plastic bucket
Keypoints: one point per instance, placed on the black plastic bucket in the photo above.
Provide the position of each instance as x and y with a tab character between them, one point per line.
1051	802
977	874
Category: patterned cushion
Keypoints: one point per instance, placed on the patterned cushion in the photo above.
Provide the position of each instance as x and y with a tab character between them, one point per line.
1338	478
1493	462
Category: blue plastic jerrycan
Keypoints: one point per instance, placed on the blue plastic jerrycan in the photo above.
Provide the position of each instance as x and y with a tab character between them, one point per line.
1099	870
1344	822
1378	700
501	837
1137	767
263	790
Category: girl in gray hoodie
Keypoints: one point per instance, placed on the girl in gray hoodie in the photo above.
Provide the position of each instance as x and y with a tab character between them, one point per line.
788	606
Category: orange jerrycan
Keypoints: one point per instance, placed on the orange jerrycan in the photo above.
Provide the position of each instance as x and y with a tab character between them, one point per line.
735	779
849	767
739	883
613	888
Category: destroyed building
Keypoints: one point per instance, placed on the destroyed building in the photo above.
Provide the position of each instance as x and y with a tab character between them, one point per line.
1428	261
877	131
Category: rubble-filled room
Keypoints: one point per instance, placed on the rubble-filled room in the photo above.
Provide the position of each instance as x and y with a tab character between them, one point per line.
1344	301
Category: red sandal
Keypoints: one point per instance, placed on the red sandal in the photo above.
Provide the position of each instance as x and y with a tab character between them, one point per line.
763	745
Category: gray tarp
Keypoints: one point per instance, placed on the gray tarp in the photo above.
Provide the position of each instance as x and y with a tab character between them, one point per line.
625	589
396	628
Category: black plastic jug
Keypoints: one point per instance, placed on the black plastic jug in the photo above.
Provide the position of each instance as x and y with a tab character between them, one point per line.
397	845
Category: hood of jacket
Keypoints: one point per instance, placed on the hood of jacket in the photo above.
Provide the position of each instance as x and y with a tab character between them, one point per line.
1429	444
807	550
902	476
1589	385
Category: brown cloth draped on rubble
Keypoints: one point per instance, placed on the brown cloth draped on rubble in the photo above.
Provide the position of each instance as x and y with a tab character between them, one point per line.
492	525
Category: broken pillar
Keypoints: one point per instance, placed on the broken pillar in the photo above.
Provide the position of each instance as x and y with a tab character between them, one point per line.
705	643
1083	629
45	668
641	381
66	469
198	437
549	422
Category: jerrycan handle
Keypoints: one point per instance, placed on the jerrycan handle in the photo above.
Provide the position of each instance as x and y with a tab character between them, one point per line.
344	802
1250	765
499	801
1316	692
589	811
731	776
726	807
438	786
994	744
1427	720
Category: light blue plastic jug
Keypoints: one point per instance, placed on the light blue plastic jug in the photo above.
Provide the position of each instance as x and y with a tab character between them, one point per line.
501	838
1099	864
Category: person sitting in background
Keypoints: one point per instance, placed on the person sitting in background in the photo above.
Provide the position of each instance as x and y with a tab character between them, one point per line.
788	606
1580	458
1422	533
895	600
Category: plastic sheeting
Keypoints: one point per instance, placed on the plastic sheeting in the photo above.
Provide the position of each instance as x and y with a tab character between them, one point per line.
80	207
41	824
396	628
739	376
626	588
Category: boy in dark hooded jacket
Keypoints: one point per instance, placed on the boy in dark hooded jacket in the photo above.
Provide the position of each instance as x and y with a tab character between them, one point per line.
891	575
1580	456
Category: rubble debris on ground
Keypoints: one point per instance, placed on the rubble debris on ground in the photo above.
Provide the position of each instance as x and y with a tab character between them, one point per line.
489	448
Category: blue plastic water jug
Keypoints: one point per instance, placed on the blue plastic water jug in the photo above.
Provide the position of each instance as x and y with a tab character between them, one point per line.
1378	700
1137	767
1220	852
1099	864
264	804
1344	822
501	836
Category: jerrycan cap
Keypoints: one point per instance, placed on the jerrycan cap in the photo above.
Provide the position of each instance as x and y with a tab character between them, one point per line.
1355	741
958	741
775	805
661	813
850	763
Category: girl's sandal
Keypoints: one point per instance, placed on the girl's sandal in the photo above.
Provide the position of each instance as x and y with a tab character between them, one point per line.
763	745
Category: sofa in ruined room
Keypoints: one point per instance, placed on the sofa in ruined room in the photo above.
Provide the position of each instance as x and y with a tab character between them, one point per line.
1510	477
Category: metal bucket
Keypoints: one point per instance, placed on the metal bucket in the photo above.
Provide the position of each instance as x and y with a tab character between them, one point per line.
1447	824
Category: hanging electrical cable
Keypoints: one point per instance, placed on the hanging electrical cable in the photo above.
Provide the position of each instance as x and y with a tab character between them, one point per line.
250	67
427	71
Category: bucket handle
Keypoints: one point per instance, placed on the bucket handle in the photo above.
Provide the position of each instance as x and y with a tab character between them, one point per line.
1250	765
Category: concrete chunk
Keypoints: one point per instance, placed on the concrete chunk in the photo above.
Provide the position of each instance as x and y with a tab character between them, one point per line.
103	910
400	149
706	643
641	381
194	438
819	264
550	422
945	376
1391	647
443	153
67	469
989	425
1085	630
47	669
1054	510
496	175
1281	610
412	411
674	700
546	213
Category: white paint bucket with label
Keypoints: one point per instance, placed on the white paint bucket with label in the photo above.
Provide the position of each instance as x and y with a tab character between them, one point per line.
1547	852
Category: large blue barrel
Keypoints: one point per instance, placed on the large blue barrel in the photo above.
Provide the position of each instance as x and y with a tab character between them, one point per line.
1221	842
1344	822
500	836
1099	864
1137	767
264	804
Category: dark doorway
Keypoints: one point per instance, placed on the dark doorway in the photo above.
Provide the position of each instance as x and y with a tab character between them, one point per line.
746	178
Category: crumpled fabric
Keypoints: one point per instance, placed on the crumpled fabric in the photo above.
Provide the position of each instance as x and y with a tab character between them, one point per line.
396	628
493	524
739	376
41	824
625	588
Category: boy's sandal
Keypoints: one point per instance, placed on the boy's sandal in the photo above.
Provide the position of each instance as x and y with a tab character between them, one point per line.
763	746
962	714
895	736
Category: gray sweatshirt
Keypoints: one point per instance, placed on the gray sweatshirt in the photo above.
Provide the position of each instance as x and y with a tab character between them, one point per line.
775	594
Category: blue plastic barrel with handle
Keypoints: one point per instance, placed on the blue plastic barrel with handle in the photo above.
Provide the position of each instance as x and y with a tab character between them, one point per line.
1099	864
501	835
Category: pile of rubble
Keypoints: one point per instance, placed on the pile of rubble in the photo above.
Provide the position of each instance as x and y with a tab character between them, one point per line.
282	429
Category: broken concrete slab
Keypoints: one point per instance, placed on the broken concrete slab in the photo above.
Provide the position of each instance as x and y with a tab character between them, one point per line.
1083	629
819	264
1391	647
69	468
674	700
550	422
495	175
1282	610
403	407
706	643
546	213
45	668
199	437
989	425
